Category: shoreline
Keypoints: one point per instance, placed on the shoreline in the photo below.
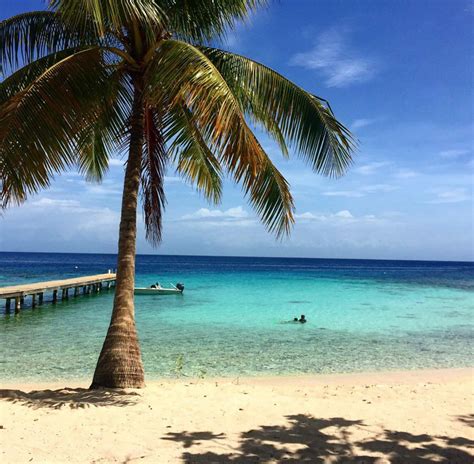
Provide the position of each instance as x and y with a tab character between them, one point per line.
384	417
353	378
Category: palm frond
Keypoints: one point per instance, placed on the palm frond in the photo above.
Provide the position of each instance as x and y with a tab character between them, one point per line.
93	155
270	195
185	74
201	21
26	37
40	125
194	159
112	15
24	76
108	134
285	109
258	115
153	174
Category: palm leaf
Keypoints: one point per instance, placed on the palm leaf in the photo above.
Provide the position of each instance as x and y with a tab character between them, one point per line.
40	126
207	19
195	161
185	74
270	195
108	134
286	110
112	16
153	173
93	155
29	36
24	76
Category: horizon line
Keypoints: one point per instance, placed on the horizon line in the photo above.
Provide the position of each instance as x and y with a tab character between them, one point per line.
246	256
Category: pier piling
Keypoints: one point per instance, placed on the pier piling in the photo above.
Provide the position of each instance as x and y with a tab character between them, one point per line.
36	290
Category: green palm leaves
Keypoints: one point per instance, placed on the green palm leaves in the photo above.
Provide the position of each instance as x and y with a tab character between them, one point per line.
30	36
41	124
207	19
287	112
66	97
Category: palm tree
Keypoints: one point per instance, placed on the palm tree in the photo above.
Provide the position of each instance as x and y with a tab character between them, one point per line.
88	78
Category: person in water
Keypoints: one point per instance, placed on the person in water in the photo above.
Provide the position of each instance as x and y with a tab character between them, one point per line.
302	319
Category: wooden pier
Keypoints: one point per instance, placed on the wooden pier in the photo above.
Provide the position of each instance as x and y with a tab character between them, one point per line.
87	284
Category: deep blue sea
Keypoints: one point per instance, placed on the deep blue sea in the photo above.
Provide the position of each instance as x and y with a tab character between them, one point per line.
363	315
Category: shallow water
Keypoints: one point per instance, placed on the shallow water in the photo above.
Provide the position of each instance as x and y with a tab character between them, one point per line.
362	315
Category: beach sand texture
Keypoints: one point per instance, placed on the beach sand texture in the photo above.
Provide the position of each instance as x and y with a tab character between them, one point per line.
402	417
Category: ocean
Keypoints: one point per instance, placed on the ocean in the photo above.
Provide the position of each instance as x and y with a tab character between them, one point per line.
231	321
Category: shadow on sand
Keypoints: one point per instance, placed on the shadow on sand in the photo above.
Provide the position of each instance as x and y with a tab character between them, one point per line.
303	441
73	398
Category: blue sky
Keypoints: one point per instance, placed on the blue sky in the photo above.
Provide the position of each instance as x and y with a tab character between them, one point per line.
398	73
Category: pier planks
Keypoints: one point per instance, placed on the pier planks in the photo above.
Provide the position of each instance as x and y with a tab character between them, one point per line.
19	292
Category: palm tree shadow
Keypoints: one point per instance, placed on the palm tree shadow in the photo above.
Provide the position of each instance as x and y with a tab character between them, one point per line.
310	440
467	419
191	438
403	447
303	441
73	398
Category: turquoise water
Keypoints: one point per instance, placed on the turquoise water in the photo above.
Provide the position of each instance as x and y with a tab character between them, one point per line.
362	316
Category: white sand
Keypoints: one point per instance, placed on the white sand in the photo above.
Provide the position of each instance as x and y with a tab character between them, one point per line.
403	417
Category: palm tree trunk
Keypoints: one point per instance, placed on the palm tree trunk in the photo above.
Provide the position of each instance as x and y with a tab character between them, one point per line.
120	363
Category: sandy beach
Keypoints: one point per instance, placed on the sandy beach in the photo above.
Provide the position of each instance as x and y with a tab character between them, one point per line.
397	417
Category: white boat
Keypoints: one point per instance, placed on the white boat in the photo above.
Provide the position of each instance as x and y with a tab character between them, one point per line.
157	289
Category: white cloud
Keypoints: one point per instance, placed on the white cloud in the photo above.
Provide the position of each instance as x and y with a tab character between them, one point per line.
405	174
453	153
370	168
173	179
116	162
378	188
71	207
361	191
99	219
71	174
337	62
204	213
360	123
102	190
45	202
345	214
452	196
307	215
341	217
341	220
343	193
